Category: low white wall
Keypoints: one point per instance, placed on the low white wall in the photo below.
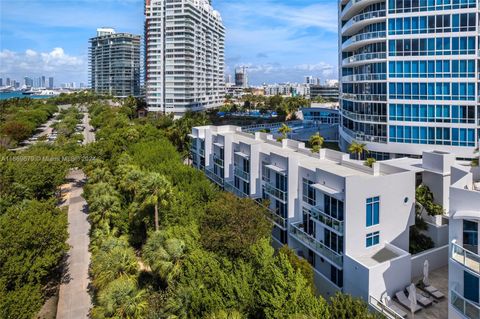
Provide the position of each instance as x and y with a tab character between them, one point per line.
439	234
437	258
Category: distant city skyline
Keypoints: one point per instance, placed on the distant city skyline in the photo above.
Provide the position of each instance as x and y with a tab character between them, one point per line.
282	44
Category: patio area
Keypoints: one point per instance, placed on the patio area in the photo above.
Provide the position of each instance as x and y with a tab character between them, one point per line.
439	308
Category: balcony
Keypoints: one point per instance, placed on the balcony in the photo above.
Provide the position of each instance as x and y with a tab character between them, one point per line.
466	307
465	257
230	187
364	117
316	245
217	160
275	192
201	152
240	173
364	97
358	40
360	136
214	178
368	17
333	223
364	77
364	57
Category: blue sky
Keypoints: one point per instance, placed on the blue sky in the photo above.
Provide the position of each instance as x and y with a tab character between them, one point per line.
280	40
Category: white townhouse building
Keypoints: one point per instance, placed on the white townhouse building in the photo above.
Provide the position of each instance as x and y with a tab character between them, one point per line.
350	222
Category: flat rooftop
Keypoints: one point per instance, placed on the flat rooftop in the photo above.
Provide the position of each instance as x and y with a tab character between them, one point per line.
377	256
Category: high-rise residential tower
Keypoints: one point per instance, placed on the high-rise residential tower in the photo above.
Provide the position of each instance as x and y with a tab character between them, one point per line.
115	63
184	56
409	73
50	82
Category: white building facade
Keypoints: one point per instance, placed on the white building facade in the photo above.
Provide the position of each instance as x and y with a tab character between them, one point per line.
350	222
464	263
409	76
184	56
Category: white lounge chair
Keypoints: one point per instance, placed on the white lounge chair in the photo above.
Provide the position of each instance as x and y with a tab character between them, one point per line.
403	300
421	299
434	292
395	308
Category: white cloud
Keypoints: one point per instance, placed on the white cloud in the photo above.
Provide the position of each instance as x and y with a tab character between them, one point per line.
54	63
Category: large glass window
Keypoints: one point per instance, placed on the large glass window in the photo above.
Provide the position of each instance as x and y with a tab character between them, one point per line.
470	236
333	207
373	211
432	135
309	195
470	287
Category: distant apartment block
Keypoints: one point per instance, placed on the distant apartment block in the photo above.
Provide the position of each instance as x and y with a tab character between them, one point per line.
412	67
115	63
328	92
184	56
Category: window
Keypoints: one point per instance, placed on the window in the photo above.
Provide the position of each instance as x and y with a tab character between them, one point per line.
373	211
308	192
373	239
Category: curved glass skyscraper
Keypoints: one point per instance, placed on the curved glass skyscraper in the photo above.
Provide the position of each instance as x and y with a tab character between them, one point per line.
409	76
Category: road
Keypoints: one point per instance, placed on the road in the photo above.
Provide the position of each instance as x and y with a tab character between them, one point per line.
88	134
74	300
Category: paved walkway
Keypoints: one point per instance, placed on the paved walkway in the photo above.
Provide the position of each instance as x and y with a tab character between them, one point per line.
74	300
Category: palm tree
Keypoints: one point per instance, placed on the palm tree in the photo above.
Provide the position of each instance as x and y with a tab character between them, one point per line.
130	180
104	209
284	130
358	148
156	191
108	265
316	142
164	255
370	161
121	299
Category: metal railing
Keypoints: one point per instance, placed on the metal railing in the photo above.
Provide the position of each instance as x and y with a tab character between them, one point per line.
201	151
465	257
275	192
214	177
316	245
466	307
325	219
383	308
240	173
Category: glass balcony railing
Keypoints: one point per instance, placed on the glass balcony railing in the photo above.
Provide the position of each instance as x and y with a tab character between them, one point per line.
363	16
316	245
465	257
214	177
364	117
466	307
364	57
363	37
364	97
325	219
201	151
217	160
240	173
275	192
360	136
230	187
364	77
